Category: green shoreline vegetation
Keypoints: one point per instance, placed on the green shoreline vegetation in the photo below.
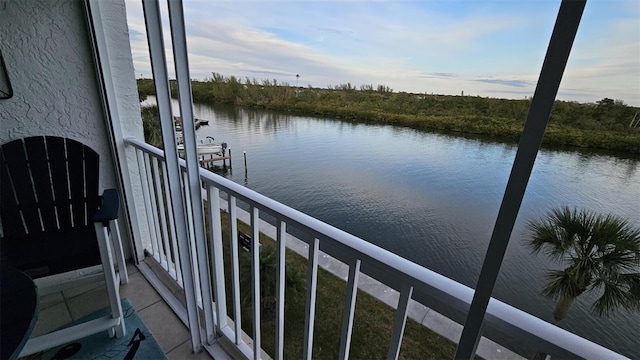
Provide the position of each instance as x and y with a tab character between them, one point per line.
601	125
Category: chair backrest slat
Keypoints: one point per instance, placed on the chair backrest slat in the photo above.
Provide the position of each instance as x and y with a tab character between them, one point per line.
75	163
59	179
39	169
8	201
20	186
91	180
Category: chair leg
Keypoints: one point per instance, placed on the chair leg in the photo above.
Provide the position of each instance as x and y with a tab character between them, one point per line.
113	288
117	244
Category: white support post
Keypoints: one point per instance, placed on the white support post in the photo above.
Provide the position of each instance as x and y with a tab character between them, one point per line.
555	61
349	309
312	285
163	97
185	99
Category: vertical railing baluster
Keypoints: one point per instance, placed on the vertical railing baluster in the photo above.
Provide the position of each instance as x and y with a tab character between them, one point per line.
235	269
172	227
151	210
145	196
217	258
312	283
162	215
154	206
349	309
281	233
192	241
399	322
187	202
205	269
255	279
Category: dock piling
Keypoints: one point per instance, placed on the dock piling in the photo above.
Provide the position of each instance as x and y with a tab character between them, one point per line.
245	161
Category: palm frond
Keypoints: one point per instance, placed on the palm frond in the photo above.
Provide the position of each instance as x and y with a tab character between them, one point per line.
547	238
619	261
634	286
561	233
618	291
576	224
561	282
613	230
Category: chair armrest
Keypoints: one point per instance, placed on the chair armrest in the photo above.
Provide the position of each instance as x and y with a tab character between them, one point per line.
109	207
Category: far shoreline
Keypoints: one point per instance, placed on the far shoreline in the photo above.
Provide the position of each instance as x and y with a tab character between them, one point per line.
591	127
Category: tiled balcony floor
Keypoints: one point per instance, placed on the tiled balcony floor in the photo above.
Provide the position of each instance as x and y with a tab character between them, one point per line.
60	308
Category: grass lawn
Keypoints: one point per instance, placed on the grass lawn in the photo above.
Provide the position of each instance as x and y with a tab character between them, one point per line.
373	320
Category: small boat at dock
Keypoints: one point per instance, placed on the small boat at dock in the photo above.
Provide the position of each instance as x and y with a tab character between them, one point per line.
204	149
208	148
208	152
199	122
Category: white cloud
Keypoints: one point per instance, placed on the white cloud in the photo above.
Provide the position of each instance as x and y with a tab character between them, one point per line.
607	65
403	44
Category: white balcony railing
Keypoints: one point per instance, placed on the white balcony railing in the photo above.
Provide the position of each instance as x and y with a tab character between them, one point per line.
411	280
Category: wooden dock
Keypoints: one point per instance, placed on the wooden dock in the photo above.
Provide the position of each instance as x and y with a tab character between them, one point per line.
214	159
207	161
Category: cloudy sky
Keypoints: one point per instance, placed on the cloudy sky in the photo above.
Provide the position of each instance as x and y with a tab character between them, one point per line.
486	48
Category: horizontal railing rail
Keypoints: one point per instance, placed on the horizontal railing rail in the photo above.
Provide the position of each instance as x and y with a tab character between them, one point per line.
411	280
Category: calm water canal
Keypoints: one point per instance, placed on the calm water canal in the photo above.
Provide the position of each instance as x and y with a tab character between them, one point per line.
430	198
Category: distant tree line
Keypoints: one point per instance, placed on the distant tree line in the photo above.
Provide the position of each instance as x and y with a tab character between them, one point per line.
605	124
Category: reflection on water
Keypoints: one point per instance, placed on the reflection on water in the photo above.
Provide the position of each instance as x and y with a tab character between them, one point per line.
430	198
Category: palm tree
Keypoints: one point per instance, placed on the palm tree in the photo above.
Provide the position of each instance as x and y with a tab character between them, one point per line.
602	254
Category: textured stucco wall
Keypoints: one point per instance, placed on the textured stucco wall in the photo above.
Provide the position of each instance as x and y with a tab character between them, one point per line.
47	53
120	60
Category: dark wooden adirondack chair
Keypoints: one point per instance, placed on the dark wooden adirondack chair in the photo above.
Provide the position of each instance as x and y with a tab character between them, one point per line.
54	223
